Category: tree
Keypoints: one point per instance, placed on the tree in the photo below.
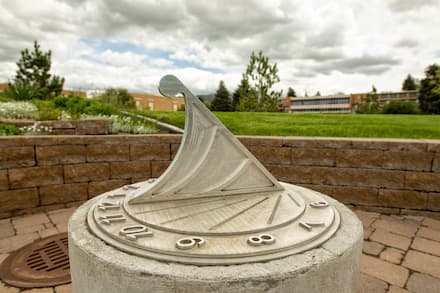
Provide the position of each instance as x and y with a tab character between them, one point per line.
118	97
33	71
410	84
429	93
222	100
371	103
318	94
261	76
242	90
291	92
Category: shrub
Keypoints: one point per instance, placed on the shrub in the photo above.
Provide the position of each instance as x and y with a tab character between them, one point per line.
60	101
36	129
47	110
76	106
9	130
117	97
18	110
400	107
20	91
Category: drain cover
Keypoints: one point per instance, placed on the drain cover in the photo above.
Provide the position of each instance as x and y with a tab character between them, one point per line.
42	263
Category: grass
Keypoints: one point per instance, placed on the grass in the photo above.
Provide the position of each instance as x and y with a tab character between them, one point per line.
326	125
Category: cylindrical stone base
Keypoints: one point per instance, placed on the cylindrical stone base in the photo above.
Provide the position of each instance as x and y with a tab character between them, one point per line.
332	267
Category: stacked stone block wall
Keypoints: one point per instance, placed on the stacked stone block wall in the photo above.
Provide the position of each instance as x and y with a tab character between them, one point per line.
389	176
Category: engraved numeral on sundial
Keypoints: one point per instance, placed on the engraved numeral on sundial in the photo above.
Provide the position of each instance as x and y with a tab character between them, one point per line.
309	225
263	239
128	187
112	218
190	242
319	204
134	232
108	206
115	195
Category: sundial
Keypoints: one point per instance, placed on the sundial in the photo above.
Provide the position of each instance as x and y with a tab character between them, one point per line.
215	204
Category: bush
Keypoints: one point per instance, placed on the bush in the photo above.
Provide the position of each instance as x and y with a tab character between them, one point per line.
47	110
9	130
117	97
18	110
20	91
60	101
400	107
76	105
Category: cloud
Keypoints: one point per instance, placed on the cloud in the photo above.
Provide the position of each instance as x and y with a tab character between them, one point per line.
407	43
408	5
131	43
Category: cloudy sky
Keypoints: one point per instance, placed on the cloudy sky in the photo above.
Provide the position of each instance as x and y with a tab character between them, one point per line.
330	46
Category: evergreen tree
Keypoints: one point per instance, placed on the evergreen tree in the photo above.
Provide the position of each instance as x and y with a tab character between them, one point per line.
429	93
33	70
318	94
222	101
261	76
409	84
291	92
241	91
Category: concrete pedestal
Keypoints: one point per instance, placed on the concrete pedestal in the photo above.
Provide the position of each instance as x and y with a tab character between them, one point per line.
332	267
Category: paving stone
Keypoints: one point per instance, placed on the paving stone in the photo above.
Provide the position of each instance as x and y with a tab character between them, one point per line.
395	289
392	255
30	220
6	230
367	284
3	256
391	239
422	262
421	283
396	226
429	233
368	232
372	248
61	216
61	227
30	229
48	232
367	218
427	246
13	243
388	272
431	223
6	289
414	218
64	289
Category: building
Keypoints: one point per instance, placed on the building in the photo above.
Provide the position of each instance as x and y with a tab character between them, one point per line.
284	104
343	103
3	86
404	96
66	93
321	104
152	102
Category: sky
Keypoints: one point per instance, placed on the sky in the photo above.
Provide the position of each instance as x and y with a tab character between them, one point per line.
318	45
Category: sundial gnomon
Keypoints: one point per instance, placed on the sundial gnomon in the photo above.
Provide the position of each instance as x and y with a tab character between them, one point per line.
215	204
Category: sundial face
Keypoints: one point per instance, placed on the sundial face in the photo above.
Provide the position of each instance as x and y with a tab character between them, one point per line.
216	204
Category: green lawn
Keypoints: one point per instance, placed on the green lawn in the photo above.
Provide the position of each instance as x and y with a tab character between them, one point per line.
330	125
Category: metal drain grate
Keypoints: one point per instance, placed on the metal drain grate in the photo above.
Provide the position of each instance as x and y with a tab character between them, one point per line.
43	263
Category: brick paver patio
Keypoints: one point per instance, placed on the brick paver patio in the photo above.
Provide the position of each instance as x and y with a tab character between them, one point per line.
401	253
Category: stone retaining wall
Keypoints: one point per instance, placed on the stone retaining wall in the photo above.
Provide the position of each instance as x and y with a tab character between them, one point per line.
68	127
390	176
